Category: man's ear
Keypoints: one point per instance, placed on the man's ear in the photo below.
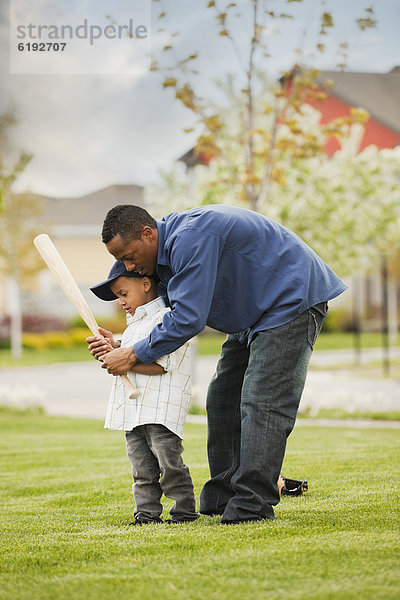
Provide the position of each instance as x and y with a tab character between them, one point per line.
147	234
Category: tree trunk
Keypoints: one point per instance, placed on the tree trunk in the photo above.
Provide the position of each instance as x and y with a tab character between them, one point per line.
392	310
356	321
14	310
385	318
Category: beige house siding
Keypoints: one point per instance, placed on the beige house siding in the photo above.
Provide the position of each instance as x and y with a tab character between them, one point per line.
74	225
87	259
89	263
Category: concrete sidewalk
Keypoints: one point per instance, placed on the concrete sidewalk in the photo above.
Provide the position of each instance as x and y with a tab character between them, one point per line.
331	358
82	389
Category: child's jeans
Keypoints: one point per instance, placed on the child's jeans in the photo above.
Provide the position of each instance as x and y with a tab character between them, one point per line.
157	467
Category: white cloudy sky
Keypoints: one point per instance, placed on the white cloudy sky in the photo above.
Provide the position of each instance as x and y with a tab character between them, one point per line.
87	131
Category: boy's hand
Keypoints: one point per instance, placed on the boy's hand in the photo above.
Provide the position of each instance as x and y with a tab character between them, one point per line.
98	346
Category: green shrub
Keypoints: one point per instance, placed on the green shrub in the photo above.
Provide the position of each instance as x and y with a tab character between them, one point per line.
34	410
56	339
338	319
36	341
79	334
76	322
195	409
115	323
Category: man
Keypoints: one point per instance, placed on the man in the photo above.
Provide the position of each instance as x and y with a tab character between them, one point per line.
242	273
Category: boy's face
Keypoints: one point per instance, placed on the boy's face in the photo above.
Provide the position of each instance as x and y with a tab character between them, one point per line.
132	292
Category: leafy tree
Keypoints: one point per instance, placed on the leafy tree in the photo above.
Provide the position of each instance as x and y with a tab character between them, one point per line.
9	168
19	216
268	116
346	207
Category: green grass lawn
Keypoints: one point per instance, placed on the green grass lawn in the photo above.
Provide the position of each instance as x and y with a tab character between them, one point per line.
207	344
67	504
338	341
44	357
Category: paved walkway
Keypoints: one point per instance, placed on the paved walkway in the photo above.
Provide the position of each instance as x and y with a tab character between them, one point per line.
82	389
329	358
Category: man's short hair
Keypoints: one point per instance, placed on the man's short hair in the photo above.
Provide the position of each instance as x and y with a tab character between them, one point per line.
126	220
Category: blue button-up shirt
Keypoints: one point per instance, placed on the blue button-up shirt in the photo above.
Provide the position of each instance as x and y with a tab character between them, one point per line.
233	270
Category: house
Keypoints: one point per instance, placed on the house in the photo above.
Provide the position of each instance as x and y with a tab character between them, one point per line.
74	224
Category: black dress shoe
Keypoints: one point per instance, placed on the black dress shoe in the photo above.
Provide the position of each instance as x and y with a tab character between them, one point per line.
212	513
146	521
172	521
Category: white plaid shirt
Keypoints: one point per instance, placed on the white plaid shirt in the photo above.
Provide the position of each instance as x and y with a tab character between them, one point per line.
163	399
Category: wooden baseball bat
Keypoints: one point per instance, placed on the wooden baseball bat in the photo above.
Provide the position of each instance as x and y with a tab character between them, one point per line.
53	260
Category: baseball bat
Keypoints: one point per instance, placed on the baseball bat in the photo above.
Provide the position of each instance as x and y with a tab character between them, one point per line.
53	260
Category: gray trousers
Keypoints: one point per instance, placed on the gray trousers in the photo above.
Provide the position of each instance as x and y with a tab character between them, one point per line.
157	467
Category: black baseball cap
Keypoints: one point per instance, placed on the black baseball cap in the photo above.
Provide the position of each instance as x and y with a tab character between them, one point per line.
103	291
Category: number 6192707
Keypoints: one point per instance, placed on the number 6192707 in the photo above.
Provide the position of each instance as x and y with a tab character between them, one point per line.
42	46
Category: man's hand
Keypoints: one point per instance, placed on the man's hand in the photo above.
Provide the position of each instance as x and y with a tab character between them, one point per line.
119	361
99	346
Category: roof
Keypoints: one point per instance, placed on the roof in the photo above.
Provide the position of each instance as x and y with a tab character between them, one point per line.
378	93
190	158
91	208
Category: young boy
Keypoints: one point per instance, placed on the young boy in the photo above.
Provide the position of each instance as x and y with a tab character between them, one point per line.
153	422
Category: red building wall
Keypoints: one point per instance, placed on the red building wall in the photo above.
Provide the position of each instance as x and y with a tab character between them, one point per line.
374	133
